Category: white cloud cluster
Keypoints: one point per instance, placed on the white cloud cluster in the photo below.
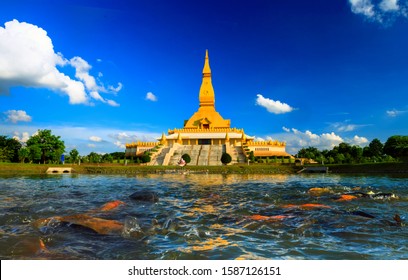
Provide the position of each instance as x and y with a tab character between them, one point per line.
21	137
122	138
82	69
95	139
358	140
298	139
27	58
394	113
389	5
364	7
381	11
346	126
16	116
272	106
150	96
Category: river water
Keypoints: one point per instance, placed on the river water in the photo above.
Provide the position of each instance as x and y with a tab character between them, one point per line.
209	217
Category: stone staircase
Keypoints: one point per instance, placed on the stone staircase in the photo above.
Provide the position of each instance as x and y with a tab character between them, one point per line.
158	158
214	157
237	154
199	154
181	150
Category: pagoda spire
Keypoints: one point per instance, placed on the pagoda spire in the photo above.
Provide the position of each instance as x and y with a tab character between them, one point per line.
206	69
206	96
206	117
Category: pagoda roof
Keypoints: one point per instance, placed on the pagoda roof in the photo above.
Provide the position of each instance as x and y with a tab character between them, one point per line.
207	135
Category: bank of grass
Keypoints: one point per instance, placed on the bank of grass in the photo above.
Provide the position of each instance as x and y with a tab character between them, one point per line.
230	169
33	169
370	168
26	169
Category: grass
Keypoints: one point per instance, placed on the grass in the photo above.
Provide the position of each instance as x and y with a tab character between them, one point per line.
370	168
32	169
22	169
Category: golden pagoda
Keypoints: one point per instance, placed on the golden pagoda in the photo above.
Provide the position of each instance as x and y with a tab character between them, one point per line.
206	135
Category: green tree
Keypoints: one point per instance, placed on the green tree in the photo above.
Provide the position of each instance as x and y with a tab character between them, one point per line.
9	148
344	148
226	158
51	146
34	153
107	158
340	158
397	147
309	152
5	154
251	156
356	153
23	154
74	155
94	158
118	156
374	149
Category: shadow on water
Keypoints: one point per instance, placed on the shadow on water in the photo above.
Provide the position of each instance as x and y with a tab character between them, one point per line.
204	217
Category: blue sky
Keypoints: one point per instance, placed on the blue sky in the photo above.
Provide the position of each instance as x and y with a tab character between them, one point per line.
103	73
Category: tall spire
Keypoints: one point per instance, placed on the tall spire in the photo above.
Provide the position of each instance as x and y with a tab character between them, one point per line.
206	96
206	69
206	116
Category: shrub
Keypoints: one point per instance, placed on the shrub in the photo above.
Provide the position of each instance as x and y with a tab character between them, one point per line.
226	158
186	158
145	158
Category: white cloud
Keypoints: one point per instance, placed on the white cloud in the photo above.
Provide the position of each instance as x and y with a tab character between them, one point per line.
120	144
27	58
95	139
82	69
128	137
112	103
296	139
15	116
357	140
346	126
364	7
329	140
91	145
115	89
286	129
272	106
383	12
394	113
123	136
23	138
150	96
82	72
389	5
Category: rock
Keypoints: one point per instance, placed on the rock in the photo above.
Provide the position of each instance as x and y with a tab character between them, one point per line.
145	195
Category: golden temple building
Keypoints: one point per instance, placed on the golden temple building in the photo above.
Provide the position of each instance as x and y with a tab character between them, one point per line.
205	136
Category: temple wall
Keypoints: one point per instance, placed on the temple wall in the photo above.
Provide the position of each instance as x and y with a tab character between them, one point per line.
137	149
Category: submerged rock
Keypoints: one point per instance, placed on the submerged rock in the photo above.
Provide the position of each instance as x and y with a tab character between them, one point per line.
145	195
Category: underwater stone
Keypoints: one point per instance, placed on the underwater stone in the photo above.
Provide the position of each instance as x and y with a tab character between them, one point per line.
144	195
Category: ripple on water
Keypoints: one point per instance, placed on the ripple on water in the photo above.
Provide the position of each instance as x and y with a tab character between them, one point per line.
205	217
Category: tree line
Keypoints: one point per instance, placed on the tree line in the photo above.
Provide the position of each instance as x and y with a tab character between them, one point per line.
44	147
394	149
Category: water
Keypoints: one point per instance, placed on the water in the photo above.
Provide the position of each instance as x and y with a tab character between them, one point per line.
204	217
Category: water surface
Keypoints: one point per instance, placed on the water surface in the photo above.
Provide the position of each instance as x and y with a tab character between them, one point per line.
205	217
